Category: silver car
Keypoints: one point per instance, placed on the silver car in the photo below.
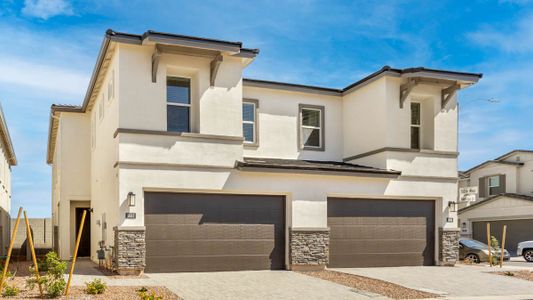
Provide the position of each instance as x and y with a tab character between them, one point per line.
477	252
525	249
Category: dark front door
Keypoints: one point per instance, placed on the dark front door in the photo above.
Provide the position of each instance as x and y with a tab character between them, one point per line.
381	233
214	232
517	231
85	241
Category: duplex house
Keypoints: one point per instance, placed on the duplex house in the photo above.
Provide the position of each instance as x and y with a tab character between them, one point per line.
187	166
7	160
499	192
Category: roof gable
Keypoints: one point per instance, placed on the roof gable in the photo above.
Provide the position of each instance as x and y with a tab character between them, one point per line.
494	198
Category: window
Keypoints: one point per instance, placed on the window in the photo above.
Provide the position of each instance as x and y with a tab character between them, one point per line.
249	122
415	125
494	185
93	134
178	104
101	109
111	87
312	127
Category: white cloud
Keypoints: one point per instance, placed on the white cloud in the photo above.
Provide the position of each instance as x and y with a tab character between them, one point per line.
518	38
46	9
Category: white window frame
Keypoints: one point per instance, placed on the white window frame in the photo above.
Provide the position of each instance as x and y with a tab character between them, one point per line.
419	126
489	186
321	127
255	140
189	105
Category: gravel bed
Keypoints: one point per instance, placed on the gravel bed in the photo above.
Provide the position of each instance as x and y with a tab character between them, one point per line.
526	275
375	286
78	292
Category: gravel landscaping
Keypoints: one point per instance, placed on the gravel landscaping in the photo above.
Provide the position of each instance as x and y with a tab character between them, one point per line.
371	285
526	275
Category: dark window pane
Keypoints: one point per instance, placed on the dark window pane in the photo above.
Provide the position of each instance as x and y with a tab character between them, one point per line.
310	117
178	90
311	137
248	113
415	113
177	118
415	137
248	131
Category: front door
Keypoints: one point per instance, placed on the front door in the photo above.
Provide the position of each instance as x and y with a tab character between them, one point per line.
84	249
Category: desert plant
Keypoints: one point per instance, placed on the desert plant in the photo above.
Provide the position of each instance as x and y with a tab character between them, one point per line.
494	243
53	281
144	295
10	291
95	287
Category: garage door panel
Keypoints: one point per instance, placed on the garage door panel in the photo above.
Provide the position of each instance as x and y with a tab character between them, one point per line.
214	232
517	231
210	247
381	232
377	231
360	246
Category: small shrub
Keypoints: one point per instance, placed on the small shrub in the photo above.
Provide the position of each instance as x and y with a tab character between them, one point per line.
95	287
10	291
9	274
143	294
53	281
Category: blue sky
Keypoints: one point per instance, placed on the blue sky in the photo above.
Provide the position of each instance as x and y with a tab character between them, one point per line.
49	49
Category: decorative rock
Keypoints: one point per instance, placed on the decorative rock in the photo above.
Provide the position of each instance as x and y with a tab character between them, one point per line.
130	250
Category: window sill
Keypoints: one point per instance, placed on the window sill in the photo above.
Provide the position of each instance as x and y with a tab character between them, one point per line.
320	149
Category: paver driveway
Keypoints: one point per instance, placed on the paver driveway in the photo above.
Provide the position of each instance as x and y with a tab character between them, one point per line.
459	281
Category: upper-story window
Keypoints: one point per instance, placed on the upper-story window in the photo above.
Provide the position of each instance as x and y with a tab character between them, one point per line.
494	185
249	121
111	87
311	127
415	125
178	104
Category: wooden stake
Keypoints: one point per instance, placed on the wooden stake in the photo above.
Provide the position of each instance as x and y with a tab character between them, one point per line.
80	231
503	245
32	248
489	244
10	249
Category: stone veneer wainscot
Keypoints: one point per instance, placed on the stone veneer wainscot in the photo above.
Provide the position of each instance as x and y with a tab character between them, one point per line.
130	249
309	248
449	246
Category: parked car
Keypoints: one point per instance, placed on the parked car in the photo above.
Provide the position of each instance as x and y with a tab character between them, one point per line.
477	252
526	250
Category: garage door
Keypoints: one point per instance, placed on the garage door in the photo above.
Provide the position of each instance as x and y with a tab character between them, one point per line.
214	232
517	231
379	233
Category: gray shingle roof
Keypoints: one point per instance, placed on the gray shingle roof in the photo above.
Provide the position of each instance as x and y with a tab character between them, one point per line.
494	197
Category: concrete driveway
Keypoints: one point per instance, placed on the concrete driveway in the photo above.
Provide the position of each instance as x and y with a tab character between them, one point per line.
459	281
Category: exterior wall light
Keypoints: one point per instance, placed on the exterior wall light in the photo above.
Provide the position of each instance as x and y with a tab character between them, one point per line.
131	199
452	205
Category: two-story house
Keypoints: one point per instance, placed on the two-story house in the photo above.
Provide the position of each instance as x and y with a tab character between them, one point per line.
499	192
187	166
7	160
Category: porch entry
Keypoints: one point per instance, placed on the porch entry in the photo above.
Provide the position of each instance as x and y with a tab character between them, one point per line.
85	241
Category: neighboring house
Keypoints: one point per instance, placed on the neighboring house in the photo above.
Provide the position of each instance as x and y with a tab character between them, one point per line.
186	166
502	194
7	160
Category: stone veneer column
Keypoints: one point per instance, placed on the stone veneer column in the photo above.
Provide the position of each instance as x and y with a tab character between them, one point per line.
448	246
308	248
130	249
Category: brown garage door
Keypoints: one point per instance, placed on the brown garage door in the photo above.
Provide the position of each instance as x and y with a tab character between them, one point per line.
517	231
214	232
379	233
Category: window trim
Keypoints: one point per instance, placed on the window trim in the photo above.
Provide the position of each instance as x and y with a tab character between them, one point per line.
419	126
189	105
255	123
111	87
496	186
322	128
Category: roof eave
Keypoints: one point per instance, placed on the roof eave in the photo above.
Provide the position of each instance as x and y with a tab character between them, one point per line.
12	158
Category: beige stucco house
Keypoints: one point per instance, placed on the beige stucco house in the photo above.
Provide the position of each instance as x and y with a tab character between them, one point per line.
7	160
500	192
187	166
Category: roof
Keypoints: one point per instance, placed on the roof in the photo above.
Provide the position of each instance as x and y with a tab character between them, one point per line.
492	198
6	140
297	165
386	70
499	160
52	130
